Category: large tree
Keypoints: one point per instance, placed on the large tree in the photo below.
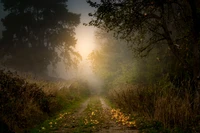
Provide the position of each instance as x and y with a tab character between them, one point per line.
38	33
157	22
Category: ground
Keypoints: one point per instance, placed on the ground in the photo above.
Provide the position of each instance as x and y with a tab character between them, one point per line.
93	116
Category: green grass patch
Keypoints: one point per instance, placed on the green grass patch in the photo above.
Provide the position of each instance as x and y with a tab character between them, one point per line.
57	121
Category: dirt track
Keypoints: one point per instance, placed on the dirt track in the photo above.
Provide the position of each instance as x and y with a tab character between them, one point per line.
113	126
93	116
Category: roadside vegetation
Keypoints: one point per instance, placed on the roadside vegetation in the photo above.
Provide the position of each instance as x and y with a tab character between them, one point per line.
155	89
71	120
149	60
159	108
26	104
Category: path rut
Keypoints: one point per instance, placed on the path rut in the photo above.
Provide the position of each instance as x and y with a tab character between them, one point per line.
113	127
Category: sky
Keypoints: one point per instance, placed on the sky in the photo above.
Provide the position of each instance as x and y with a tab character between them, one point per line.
84	34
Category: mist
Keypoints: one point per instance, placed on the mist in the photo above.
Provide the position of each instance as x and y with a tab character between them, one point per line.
84	46
100	66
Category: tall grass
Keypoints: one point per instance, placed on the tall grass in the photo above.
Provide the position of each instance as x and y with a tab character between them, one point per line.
25	103
177	110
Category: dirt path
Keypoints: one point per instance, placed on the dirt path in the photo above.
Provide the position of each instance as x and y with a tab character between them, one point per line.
104	105
83	107
93	116
113	126
73	117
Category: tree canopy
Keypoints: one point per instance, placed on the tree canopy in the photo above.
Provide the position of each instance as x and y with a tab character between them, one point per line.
118	66
153	23
38	33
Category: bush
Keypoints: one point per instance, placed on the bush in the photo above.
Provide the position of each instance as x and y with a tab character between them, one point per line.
20	102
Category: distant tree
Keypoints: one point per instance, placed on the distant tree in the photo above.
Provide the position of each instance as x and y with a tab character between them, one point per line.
118	66
110	60
157	22
38	33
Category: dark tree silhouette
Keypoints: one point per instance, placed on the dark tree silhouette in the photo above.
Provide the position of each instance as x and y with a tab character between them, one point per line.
157	22
38	33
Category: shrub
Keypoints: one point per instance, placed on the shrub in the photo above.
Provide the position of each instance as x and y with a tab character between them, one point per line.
22	104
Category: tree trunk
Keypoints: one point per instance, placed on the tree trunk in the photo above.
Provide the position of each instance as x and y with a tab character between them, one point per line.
195	42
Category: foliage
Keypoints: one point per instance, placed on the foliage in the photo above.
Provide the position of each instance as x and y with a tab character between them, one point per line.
161	89
151	24
25	104
20	101
42	34
117	65
122	118
111	61
127	18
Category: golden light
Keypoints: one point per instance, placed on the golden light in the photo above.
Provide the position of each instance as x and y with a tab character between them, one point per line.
85	40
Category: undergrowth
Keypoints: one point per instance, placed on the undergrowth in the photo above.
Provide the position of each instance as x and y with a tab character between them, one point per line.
25	103
160	108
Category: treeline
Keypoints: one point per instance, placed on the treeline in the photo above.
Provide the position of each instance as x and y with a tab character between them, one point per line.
42	35
149	61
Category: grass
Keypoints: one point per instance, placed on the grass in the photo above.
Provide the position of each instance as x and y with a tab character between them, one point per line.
92	118
25	103
108	101
57	121
160	108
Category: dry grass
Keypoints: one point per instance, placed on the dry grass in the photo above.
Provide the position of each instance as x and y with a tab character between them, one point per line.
25	103
173	108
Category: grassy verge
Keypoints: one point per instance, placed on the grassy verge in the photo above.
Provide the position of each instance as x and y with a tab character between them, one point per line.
160	108
59	120
108	101
25	103
90	120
